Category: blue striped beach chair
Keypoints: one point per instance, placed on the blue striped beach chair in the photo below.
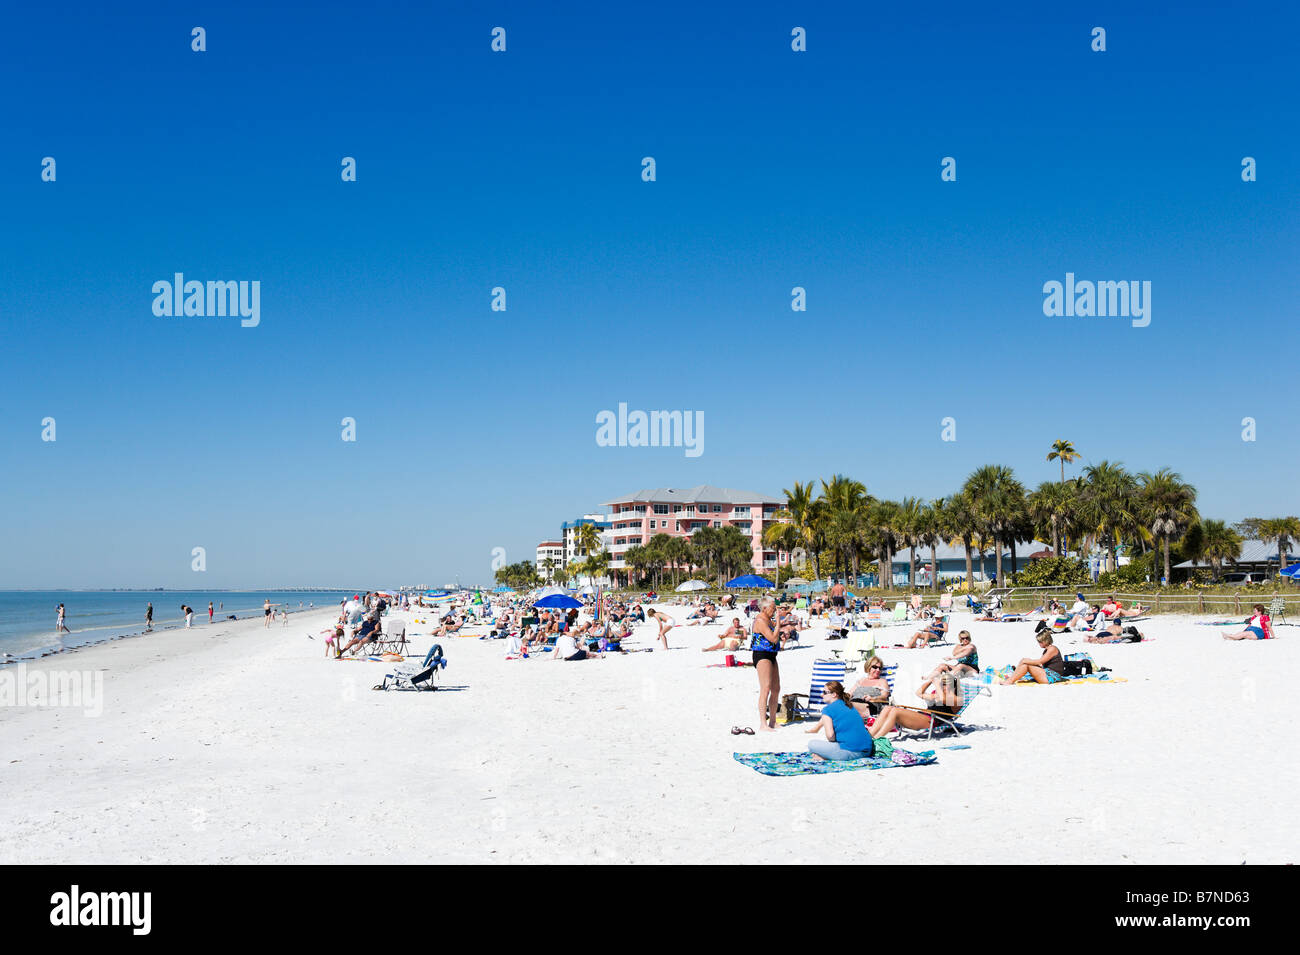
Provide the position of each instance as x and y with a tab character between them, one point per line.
971	689
823	672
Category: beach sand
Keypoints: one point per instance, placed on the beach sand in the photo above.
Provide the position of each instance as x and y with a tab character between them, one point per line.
232	743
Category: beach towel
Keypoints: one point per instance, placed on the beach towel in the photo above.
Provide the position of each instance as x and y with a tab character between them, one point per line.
1005	672
806	764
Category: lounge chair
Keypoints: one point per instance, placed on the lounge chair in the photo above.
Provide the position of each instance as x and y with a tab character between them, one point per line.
970	690
861	645
945	603
416	676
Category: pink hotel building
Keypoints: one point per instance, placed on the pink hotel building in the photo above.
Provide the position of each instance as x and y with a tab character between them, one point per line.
637	517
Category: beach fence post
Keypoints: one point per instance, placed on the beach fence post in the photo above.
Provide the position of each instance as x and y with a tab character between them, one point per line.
1236	602
1157	603
1201	604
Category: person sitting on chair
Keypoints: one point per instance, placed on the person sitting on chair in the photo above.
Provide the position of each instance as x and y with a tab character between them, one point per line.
787	626
935	631
964	662
730	639
871	693
943	700
369	633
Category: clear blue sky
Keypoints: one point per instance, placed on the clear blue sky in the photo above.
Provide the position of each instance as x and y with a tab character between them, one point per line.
476	429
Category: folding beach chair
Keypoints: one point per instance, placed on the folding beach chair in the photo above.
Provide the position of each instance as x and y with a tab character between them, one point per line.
1276	610
824	671
394	642
970	690
945	603
861	645
416	676
900	613
873	616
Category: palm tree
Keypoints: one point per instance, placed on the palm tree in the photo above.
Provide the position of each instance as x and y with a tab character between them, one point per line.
549	564
587	538
885	520
1281	529
1110	506
911	511
1170	507
1046	507
1216	542
804	513
680	554
999	505
933	529
846	507
1064	452
781	536
963	525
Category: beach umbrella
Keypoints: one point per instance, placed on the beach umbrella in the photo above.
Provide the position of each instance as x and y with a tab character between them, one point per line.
550	591
749	580
558	602
689	585
1293	572
796	582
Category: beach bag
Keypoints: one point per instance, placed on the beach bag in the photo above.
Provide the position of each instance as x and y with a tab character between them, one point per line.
883	748
1078	667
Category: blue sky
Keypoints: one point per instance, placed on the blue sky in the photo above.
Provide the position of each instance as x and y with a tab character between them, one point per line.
775	169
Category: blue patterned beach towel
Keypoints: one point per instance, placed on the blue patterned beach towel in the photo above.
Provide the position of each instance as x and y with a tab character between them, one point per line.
805	764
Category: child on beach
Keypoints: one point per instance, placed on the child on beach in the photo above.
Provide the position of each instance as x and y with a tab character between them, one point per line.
209	611
665	622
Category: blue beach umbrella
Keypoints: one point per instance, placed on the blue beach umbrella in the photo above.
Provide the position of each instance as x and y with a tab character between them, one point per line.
558	602
1293	572
749	580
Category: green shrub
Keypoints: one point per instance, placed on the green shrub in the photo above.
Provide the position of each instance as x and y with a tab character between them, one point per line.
1053	572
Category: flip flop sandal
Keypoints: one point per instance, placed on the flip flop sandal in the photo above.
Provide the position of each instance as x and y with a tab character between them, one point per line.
736	731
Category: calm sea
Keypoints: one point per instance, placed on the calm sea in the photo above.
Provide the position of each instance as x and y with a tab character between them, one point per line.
28	617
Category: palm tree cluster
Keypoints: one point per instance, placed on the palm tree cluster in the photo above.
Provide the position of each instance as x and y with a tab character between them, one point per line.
1106	506
722	552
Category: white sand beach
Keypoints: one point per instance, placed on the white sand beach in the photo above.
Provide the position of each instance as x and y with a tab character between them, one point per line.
234	744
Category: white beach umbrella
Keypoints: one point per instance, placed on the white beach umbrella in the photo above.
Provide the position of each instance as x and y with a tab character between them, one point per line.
688	585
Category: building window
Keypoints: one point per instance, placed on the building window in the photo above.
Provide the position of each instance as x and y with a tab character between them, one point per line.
661	508
717	508
677	508
740	512
717	523
652	525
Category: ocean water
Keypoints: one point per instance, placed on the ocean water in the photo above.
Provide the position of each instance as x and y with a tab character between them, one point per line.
28	617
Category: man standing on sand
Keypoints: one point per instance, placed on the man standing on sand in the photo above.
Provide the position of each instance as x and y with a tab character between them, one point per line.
61	626
765	644
209	611
837	595
148	618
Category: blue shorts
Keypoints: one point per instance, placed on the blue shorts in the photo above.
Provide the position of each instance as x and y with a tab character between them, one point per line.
1259	633
1053	676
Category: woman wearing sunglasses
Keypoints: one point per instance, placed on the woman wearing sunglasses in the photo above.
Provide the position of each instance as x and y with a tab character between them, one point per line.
871	693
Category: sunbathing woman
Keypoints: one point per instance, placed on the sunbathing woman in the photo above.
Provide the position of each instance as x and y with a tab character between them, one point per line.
1258	627
871	693
731	637
935	631
964	662
1114	610
944	700
1116	634
1048	668
846	735
665	622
